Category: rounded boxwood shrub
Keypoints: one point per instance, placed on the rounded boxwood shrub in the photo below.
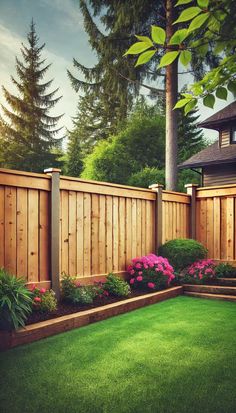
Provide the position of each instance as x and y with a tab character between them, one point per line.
182	252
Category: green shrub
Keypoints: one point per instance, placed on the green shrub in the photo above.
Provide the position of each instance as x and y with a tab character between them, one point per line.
15	301
182	252
225	270
44	300
147	176
116	286
74	293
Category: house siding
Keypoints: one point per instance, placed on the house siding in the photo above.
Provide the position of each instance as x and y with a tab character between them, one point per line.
222	174
224	138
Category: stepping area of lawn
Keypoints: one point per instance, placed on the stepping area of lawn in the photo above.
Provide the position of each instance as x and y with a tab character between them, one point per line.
178	356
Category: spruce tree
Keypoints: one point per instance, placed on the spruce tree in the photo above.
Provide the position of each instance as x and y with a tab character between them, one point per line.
27	131
191	138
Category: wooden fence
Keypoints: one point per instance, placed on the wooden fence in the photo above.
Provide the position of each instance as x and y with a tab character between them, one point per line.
51	224
215	221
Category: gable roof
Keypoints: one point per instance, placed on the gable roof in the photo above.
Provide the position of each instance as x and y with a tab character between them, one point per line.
211	155
224	115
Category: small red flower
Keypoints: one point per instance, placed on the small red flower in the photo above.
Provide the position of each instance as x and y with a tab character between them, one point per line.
42	291
37	299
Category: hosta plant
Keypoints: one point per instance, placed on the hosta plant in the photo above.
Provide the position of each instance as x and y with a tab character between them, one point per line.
200	272
15	301
150	272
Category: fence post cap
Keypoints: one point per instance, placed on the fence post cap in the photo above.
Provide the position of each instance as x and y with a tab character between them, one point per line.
51	170
156	186
190	185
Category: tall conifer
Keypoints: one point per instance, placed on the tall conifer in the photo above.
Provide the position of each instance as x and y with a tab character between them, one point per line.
27	131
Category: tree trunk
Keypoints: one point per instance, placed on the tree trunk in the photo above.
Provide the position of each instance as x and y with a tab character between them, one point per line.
171	114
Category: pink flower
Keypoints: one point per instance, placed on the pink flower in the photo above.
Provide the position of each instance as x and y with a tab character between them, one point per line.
131	281
106	293
37	299
138	265
132	272
151	285
33	287
77	284
42	291
139	278
140	273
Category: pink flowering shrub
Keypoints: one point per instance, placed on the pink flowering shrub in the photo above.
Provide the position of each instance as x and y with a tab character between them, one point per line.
43	300
150	272
200	272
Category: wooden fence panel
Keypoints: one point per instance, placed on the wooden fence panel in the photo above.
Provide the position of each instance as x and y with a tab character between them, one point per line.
175	215
24	225
215	219
101	232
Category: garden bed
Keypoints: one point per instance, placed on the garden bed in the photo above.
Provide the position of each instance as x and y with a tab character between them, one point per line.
85	316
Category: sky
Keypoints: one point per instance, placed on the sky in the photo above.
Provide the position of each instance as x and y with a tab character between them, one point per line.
59	24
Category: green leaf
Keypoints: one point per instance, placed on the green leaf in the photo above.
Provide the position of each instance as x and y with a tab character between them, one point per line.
203	3
209	101
179	36
145	57
180	2
168	58
221	93
185	57
138	47
198	21
158	35
190	105
181	103
144	39
188	14
202	50
232	87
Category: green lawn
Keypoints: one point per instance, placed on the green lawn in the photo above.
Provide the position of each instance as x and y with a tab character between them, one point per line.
174	357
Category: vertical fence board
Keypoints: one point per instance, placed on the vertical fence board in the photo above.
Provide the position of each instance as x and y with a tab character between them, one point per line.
87	234
44	231
109	234
95	234
217	234
33	236
102	234
128	234
72	247
230	228
65	232
21	234
115	251
10	229
80	234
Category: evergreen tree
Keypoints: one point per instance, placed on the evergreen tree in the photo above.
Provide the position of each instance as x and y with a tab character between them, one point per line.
191	138
74	162
113	83
28	132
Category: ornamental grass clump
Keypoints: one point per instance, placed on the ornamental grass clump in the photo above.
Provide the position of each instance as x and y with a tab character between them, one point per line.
150	272
15	301
200	272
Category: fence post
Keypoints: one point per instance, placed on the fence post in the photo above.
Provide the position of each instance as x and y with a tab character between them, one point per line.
191	190
158	230
55	227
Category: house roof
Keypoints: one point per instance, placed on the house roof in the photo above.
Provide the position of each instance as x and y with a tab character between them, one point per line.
212	155
220	118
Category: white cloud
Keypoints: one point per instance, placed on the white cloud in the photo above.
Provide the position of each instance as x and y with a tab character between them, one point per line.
70	13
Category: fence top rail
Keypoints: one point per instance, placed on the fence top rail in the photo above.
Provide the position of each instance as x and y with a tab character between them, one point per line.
24	173
214	191
90	181
105	188
20	179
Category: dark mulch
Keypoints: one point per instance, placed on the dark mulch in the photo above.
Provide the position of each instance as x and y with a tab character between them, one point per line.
66	308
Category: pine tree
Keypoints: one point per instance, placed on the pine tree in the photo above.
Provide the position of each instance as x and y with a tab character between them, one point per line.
113	82
28	132
74	162
190	137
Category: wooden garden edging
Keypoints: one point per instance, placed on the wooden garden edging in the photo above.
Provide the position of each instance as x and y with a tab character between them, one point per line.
58	325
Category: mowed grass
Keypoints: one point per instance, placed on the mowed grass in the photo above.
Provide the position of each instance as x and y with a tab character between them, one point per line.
174	357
